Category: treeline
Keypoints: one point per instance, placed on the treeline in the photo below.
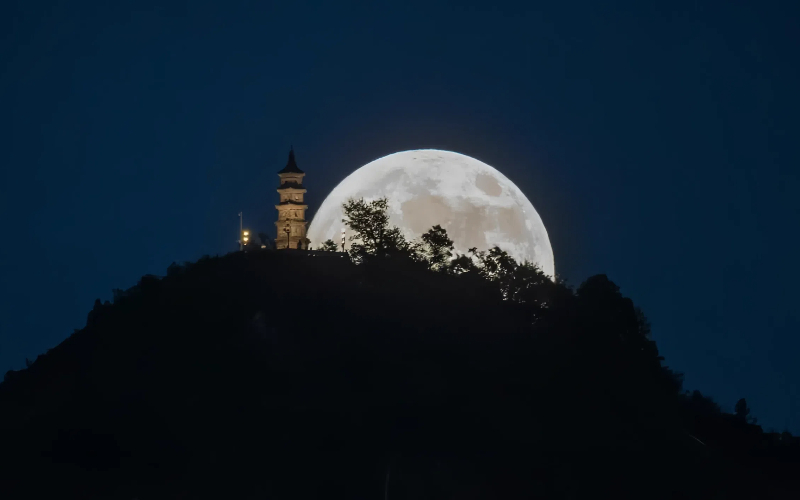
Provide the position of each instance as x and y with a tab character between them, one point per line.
399	370
524	284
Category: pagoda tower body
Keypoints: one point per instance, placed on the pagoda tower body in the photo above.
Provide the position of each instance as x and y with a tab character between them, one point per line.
291	222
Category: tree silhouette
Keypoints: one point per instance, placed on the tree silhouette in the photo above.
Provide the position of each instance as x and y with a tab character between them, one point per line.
373	236
742	412
328	246
437	247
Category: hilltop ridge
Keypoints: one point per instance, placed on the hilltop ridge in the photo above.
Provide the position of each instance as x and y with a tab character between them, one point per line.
299	374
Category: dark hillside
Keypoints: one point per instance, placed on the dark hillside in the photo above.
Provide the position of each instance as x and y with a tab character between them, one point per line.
301	375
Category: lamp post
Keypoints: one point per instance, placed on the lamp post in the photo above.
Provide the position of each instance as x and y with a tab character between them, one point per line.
245	236
287	229
240	232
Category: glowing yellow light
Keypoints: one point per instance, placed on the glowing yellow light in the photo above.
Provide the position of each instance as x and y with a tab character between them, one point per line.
245	239
247	233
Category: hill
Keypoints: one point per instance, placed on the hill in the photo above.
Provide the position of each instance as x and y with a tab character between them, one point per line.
297	374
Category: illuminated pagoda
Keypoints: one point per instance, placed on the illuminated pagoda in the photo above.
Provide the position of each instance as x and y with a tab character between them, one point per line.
291	221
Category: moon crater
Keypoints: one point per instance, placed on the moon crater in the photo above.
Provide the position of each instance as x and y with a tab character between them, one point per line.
475	203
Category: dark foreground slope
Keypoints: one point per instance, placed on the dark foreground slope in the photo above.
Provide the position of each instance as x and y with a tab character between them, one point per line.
287	375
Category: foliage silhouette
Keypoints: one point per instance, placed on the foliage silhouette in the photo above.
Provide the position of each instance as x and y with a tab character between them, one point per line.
373	236
329	246
275	374
742	412
437	248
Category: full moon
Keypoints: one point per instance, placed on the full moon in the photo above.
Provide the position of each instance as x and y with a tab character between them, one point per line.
476	204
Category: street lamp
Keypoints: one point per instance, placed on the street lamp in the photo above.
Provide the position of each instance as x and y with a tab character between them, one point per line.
245	236
287	229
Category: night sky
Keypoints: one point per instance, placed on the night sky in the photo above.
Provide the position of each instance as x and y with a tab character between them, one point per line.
657	140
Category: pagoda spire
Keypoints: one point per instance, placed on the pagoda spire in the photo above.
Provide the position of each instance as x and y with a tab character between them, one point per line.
291	165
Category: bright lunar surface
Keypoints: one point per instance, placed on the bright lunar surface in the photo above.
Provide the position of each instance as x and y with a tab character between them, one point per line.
476	204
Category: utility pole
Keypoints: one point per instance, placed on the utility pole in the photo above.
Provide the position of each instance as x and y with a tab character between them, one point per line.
241	229
342	240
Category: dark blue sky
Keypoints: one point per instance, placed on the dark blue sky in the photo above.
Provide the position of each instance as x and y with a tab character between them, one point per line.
657	140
